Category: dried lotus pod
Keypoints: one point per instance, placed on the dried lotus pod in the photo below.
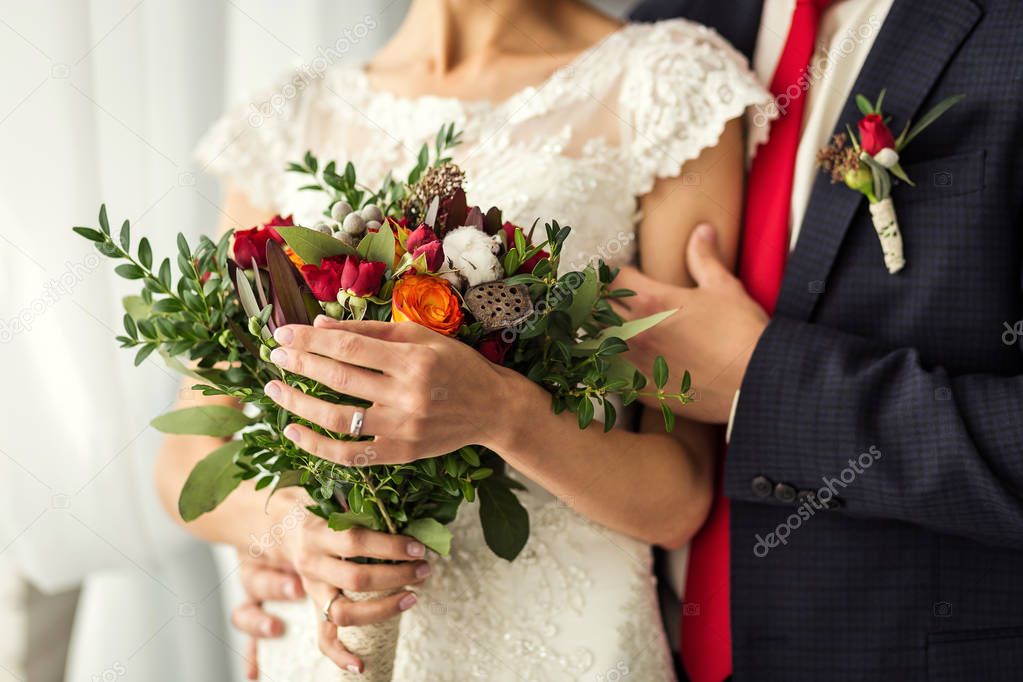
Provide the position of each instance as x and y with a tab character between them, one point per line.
498	305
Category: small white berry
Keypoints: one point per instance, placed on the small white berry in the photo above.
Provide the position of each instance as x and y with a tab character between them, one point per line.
324	227
373	225
354	224
340	210
372	212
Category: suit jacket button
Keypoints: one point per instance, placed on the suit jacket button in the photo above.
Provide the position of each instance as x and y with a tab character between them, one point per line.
806	497
784	492
762	486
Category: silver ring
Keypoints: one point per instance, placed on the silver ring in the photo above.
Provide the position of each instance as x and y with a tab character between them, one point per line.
356	427
325	613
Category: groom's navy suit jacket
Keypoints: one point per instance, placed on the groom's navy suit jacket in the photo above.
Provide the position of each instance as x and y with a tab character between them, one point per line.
917	572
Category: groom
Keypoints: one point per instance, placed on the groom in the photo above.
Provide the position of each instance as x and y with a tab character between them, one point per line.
872	520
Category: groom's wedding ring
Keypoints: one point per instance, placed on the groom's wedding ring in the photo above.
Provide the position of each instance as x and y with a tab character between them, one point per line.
356	428
325	613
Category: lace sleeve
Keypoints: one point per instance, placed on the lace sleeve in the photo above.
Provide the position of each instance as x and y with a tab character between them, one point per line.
248	147
682	84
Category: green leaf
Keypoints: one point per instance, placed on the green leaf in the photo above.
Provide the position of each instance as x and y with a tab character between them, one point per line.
248	298
505	521
625	331
470	455
125	237
313	246
104	224
355	499
866	108
898	171
610	415
145	253
344	520
136	307
880	100
584	298
144	353
129	271
378	246
669	418
431	533
165	273
90	234
585	411
927	119
687	382
210	482
167	305
183	246
220	421
660	371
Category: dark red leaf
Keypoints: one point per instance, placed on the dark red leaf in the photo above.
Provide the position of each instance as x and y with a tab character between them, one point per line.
285	292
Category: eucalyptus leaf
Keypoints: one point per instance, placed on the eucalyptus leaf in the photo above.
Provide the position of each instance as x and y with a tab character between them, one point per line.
585	297
431	533
505	521
212	480
624	331
220	421
378	246
312	246
340	521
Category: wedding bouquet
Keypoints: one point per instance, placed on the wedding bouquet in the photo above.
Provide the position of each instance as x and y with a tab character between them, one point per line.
413	250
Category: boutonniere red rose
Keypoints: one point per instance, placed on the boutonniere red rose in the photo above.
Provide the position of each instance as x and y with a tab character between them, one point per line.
868	163
250	244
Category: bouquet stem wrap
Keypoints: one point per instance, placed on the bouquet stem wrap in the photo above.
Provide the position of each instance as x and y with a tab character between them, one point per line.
375	644
887	227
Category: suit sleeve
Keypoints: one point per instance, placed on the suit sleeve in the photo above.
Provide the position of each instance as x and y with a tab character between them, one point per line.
947	448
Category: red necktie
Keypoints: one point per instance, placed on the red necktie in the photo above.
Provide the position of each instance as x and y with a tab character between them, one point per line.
706	616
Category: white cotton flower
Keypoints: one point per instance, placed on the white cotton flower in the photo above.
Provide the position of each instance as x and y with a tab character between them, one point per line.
887	157
473	254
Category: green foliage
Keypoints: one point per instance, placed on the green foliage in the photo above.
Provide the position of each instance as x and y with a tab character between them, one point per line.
220	421
210	482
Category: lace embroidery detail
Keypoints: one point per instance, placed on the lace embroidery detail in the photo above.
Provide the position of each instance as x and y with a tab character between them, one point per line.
581	148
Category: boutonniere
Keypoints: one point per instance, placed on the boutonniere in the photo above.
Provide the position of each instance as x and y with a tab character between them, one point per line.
867	164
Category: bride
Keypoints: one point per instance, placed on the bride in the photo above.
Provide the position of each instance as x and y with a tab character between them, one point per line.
630	134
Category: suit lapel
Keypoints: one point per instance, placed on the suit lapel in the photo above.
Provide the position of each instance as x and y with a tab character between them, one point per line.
912	49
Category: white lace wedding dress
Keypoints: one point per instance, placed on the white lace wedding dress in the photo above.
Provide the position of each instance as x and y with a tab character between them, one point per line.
579	602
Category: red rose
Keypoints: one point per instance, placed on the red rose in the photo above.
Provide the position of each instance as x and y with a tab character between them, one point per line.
875	135
527	267
344	273
423	242
251	244
494	348
325	281
362	278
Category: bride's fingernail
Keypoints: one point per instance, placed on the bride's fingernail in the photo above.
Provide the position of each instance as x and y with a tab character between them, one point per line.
266	627
290	590
407	602
424	570
283	335
272	390
279	357
416	549
354	669
291	432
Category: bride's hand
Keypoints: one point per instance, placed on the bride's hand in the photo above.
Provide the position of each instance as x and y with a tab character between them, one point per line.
316	552
431	394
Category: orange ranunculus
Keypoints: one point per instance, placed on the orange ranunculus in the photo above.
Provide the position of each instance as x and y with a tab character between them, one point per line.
426	300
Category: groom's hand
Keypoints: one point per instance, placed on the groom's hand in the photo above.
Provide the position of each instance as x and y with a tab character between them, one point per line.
713	334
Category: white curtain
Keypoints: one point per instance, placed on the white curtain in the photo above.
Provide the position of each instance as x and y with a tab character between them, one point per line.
103	100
